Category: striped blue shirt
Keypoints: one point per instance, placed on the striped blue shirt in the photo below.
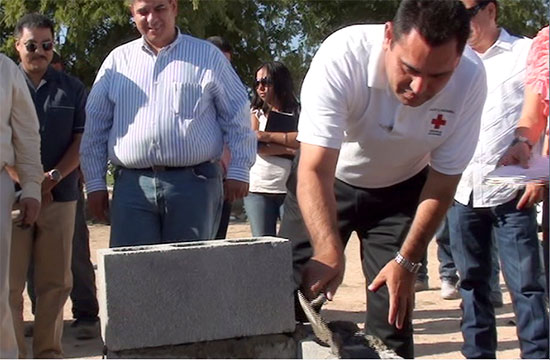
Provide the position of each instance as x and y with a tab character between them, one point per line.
175	108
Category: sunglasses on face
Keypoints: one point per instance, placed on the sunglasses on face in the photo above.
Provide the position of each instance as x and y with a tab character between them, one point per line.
32	46
475	9
264	81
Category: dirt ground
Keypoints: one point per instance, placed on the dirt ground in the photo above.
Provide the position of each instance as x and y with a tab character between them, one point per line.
436	321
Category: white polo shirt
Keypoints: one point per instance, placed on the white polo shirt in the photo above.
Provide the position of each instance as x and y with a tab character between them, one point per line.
347	104
505	63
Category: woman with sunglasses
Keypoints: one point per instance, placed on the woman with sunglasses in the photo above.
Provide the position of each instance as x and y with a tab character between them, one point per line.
273	102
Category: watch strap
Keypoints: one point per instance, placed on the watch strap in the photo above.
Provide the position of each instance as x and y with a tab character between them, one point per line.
407	264
522	139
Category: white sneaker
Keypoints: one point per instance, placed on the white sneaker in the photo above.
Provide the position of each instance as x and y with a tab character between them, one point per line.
449	290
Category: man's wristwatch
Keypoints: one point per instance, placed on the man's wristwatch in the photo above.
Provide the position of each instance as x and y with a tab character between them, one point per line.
522	139
407	264
55	175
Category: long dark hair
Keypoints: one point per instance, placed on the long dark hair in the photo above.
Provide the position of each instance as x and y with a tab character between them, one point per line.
283	87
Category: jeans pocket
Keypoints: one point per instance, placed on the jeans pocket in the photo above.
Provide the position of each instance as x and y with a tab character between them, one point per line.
207	171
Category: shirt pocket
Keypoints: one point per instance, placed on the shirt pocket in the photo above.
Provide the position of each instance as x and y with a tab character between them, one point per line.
186	98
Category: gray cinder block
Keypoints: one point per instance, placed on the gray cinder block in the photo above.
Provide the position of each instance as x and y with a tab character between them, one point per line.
276	346
180	293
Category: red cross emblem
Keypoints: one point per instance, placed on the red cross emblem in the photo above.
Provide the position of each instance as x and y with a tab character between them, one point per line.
439	121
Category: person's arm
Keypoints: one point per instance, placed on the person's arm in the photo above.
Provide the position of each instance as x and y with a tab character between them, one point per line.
274	143
233	110
254	122
531	125
26	144
435	199
315	190
287	139
93	148
275	149
68	163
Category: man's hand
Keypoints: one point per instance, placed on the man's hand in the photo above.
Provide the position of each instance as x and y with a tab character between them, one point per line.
234	189
532	195
518	154
47	184
400	283
47	199
323	273
30	208
98	203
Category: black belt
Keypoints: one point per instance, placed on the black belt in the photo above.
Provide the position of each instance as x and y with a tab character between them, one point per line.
162	168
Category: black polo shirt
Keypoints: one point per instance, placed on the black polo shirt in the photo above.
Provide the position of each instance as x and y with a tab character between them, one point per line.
60	102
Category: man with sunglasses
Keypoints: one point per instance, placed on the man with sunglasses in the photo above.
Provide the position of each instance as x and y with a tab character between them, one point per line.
20	149
486	214
390	114
161	109
59	100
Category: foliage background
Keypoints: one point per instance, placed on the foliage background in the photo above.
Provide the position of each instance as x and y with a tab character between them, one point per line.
259	30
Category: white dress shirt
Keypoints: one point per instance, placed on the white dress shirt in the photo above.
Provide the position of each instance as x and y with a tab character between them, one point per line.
175	108
505	63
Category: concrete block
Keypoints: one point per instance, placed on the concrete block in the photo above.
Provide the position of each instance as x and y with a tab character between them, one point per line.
278	346
173	294
309	349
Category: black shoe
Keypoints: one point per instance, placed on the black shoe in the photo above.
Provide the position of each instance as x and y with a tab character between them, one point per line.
28	330
86	329
496	299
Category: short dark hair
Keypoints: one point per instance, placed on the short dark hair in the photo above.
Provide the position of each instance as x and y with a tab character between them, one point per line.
33	21
221	43
283	87
437	21
488	2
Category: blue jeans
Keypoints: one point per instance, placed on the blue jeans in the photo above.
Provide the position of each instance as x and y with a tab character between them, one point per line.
152	207
471	232
263	210
447	268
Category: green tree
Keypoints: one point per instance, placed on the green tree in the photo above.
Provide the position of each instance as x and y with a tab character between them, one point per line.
523	17
259	30
87	30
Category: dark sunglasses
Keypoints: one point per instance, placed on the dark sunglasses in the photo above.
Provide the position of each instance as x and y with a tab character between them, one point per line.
32	47
264	81
475	9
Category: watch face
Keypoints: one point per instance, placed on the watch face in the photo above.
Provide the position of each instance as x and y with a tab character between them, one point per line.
55	175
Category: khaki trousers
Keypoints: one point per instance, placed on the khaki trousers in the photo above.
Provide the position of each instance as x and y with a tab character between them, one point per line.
8	345
49	245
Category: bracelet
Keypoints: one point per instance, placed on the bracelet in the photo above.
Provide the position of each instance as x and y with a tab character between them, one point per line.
286	137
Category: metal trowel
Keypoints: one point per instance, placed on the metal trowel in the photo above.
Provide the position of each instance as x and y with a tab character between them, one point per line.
319	326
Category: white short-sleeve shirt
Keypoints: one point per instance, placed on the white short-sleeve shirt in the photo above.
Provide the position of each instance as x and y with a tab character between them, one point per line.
347	104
